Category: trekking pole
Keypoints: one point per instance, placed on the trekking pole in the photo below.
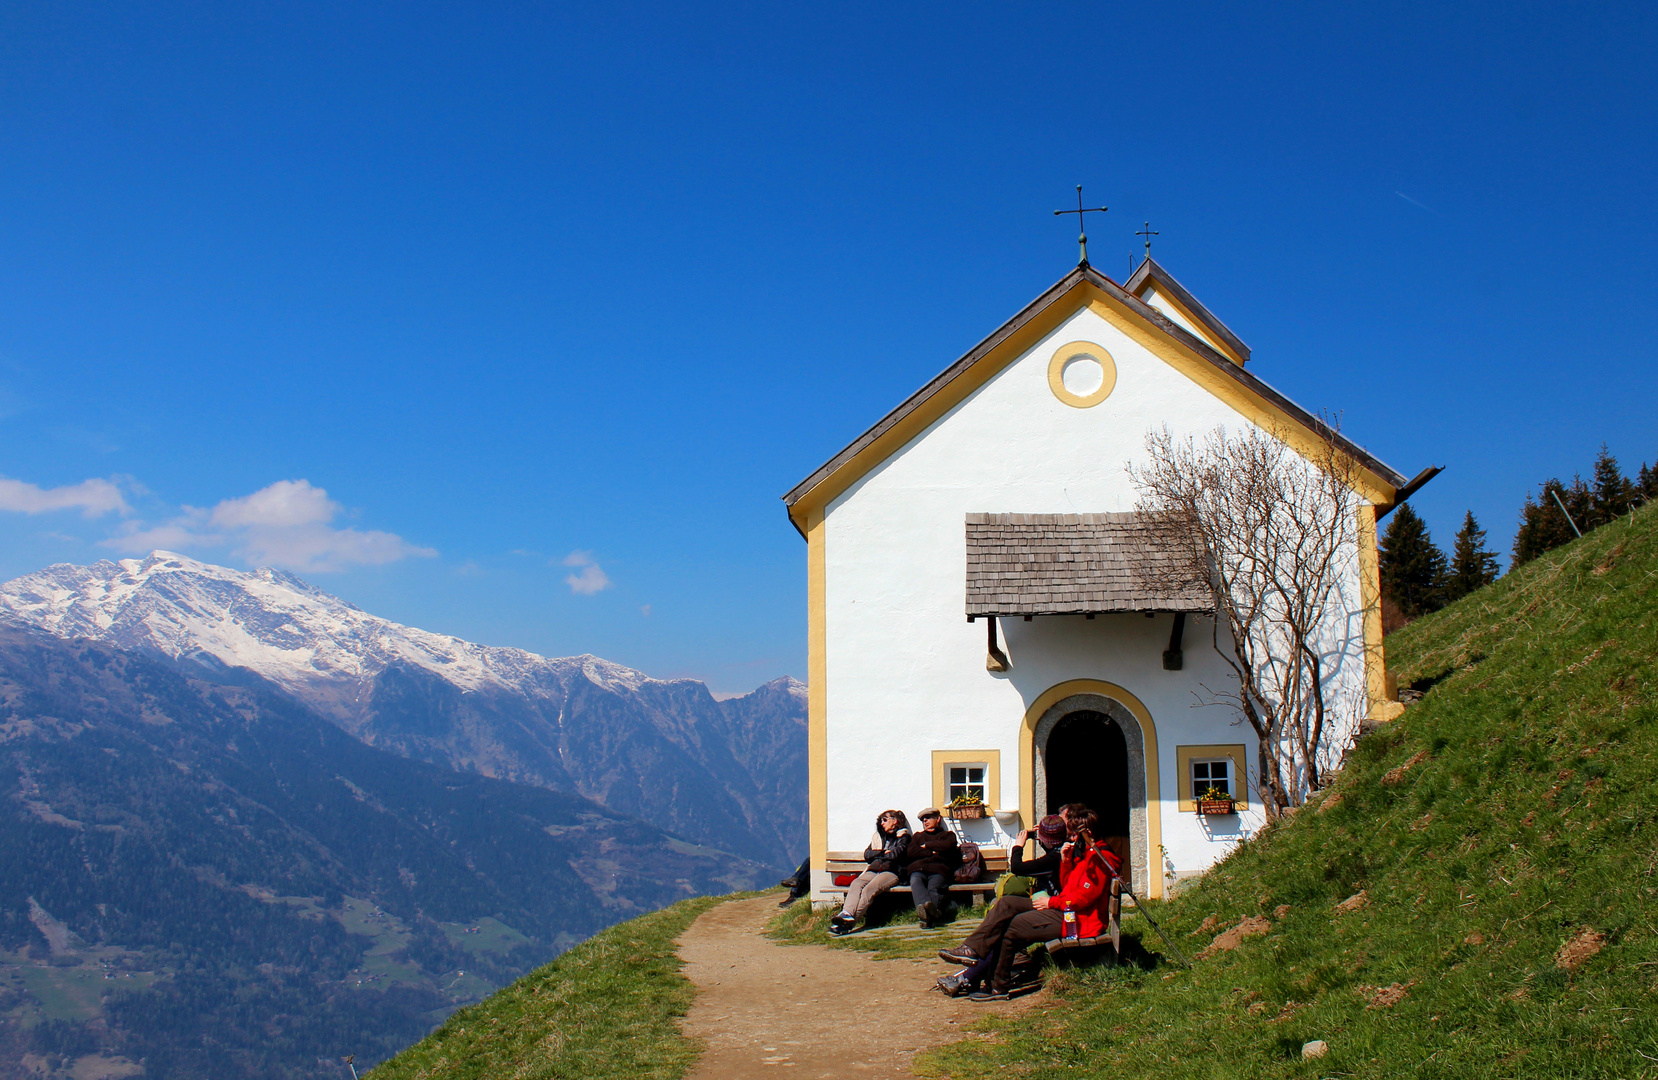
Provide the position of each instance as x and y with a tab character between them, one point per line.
1141	908
353	1068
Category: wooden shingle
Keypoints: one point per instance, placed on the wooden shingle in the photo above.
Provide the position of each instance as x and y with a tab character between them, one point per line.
1069	564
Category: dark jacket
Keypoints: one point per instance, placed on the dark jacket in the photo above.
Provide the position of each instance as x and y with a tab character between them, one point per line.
1044	869
932	853
889	855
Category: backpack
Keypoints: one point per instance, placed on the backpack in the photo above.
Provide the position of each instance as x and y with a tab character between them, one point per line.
972	864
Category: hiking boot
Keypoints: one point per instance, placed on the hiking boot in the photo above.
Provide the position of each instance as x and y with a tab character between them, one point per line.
961	954
787	900
840	925
929	914
989	993
954	985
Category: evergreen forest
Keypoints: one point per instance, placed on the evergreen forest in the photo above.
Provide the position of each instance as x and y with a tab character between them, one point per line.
1418	577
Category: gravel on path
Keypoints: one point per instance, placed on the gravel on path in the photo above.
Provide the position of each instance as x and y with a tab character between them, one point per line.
765	1009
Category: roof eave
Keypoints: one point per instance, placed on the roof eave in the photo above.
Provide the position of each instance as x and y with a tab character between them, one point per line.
938	382
1152	269
1085	273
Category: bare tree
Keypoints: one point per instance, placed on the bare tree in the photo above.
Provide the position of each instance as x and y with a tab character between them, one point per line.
1273	534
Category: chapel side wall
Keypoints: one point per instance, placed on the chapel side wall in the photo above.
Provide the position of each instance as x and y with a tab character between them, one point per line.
904	670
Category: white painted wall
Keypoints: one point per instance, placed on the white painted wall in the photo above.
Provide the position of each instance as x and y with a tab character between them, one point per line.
905	671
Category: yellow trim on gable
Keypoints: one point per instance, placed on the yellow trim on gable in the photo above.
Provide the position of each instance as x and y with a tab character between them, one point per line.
1083	294
947	398
1148	737
1183	756
990	759
1258	411
817	693
1197	327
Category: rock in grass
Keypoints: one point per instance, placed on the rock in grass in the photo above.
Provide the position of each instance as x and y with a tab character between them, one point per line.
1315	1049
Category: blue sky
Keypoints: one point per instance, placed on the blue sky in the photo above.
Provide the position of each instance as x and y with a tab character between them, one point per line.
532	312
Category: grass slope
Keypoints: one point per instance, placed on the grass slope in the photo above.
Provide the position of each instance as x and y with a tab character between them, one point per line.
1504	835
607	1008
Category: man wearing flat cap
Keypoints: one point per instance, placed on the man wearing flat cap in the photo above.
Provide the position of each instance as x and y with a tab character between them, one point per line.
931	861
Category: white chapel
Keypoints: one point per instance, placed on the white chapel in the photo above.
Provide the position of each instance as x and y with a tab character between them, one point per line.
972	631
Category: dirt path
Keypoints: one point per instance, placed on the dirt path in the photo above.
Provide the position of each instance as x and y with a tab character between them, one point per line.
767	1009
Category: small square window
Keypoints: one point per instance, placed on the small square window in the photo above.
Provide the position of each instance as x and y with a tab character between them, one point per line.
965	781
1214	773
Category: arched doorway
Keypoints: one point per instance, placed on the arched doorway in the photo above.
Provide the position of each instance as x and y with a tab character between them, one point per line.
1086	761
1088	747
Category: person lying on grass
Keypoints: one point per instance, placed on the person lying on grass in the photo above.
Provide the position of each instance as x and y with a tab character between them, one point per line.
1086	869
884	855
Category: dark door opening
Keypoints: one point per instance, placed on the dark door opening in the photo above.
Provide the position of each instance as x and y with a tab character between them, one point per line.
1086	761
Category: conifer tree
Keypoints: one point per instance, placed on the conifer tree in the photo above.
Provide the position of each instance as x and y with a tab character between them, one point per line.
1647	485
1412	567
1472	566
1542	525
1612	493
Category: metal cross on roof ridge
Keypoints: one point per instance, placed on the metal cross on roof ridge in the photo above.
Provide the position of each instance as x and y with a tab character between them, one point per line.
1082	237
1148	234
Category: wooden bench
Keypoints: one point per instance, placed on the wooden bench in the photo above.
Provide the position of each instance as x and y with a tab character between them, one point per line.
1113	928
852	862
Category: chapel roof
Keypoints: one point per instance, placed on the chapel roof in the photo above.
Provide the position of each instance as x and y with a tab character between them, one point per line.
1071	564
1151	273
940	390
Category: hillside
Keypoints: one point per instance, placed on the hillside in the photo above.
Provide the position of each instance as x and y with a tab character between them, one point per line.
214	881
1474	897
725	773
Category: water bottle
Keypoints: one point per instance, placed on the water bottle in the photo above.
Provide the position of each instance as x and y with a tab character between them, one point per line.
1068	924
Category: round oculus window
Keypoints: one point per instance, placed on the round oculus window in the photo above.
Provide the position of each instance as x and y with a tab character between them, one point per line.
1082	374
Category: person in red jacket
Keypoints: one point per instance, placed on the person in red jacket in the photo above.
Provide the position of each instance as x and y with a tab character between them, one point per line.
1085	871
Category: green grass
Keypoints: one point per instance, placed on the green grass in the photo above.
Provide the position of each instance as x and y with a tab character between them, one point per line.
607	1008
1528	819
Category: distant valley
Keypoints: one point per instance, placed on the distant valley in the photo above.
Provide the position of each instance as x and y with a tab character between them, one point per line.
248	828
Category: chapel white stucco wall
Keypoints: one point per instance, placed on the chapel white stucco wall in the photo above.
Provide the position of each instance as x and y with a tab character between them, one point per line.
904	671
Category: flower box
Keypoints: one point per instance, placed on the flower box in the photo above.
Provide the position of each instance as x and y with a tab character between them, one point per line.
967	812
1216	807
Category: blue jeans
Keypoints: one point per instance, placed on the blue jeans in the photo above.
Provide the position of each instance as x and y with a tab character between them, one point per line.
925	887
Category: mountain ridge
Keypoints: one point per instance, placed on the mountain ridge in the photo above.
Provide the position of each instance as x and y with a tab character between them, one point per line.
643	746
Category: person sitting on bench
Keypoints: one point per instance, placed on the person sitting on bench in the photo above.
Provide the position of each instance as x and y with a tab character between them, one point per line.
978	952
885	852
930	860
1086	868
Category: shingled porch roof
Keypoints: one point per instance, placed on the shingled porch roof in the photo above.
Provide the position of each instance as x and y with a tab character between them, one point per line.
1068	564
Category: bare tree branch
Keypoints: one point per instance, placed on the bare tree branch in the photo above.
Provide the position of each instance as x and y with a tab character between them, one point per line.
1272	534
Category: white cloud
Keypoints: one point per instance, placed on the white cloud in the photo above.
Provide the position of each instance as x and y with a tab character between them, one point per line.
285	524
90	497
286	504
589	578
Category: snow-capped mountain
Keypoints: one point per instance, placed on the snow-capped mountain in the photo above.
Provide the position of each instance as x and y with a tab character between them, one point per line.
731	774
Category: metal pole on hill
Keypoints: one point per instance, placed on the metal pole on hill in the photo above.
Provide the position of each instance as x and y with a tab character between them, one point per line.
1141	908
1567	512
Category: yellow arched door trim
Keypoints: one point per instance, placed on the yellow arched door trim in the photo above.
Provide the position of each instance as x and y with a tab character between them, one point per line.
1148	736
